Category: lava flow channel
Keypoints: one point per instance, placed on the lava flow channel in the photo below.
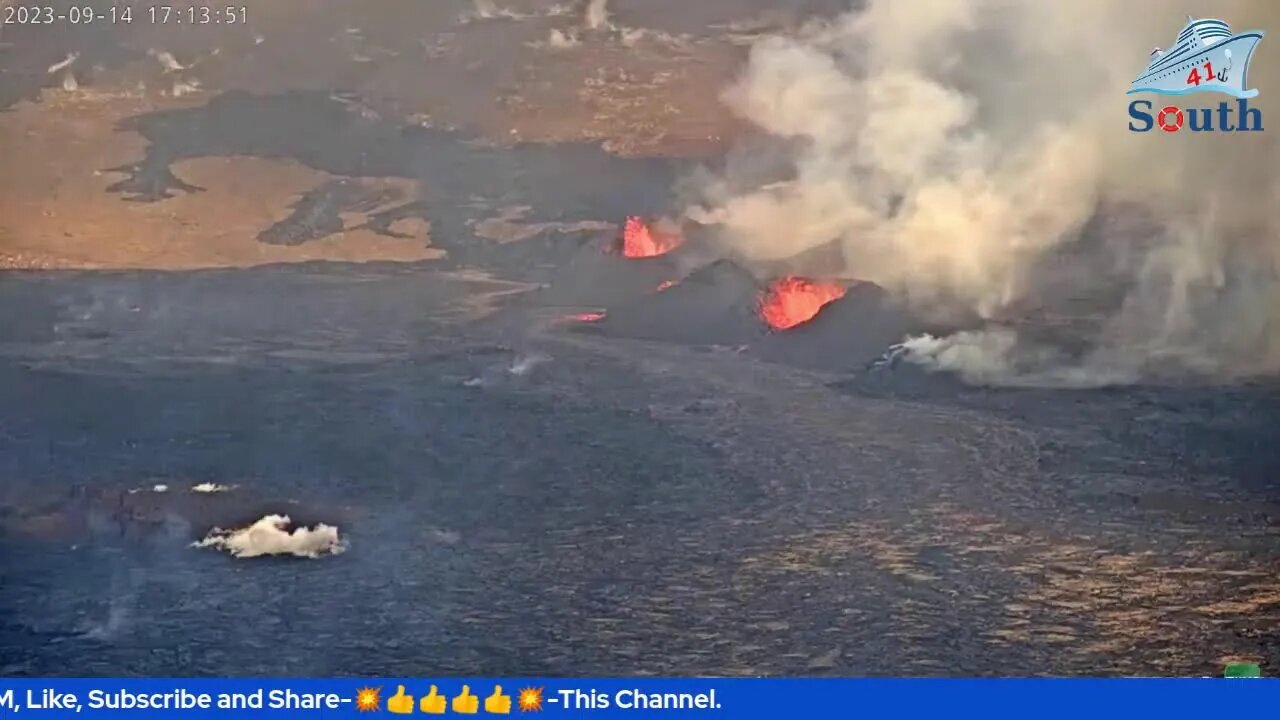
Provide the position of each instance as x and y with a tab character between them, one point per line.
792	301
639	240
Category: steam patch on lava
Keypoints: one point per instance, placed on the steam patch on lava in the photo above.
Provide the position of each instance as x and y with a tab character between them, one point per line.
520	366
121	601
944	148
632	37
559	39
595	15
489	10
524	364
208	487
272	535
593	18
595	23
484	8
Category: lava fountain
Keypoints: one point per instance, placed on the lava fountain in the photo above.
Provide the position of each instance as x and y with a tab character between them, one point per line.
639	240
792	301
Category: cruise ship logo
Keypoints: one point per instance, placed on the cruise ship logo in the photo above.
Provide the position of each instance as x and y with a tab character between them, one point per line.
1206	57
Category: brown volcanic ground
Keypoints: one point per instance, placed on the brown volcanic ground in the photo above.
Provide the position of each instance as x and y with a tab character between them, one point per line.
649	86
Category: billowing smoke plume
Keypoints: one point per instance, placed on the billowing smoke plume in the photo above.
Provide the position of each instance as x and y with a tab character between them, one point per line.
974	156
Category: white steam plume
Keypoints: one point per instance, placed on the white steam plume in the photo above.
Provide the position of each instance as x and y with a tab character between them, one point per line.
596	14
958	151
270	536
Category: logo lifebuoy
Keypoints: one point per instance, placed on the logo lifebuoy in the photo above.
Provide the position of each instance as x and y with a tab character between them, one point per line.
1164	123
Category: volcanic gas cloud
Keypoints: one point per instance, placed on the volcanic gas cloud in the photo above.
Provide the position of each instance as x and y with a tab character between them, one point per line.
639	240
792	301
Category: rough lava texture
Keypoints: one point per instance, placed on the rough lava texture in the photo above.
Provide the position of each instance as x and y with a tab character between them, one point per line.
714	305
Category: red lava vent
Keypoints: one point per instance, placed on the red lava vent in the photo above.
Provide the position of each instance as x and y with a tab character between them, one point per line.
640	240
792	301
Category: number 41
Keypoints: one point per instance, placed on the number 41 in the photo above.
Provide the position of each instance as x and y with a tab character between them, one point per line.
1194	78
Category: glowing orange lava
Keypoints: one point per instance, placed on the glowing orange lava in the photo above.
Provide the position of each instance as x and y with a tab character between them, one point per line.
795	300
586	317
641	241
664	285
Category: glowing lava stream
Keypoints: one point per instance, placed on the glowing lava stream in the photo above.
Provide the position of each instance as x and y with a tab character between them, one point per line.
792	301
641	241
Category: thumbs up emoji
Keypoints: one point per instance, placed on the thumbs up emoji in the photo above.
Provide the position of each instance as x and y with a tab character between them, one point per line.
497	703
400	703
466	703
432	703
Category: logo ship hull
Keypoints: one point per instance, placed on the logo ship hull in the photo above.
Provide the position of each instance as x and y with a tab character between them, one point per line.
1229	60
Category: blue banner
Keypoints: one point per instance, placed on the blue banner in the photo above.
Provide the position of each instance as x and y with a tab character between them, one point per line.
740	699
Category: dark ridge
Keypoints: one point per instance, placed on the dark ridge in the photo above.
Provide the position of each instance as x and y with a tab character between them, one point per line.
847	334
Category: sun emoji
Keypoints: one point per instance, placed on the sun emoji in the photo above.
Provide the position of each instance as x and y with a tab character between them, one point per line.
530	699
368	699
